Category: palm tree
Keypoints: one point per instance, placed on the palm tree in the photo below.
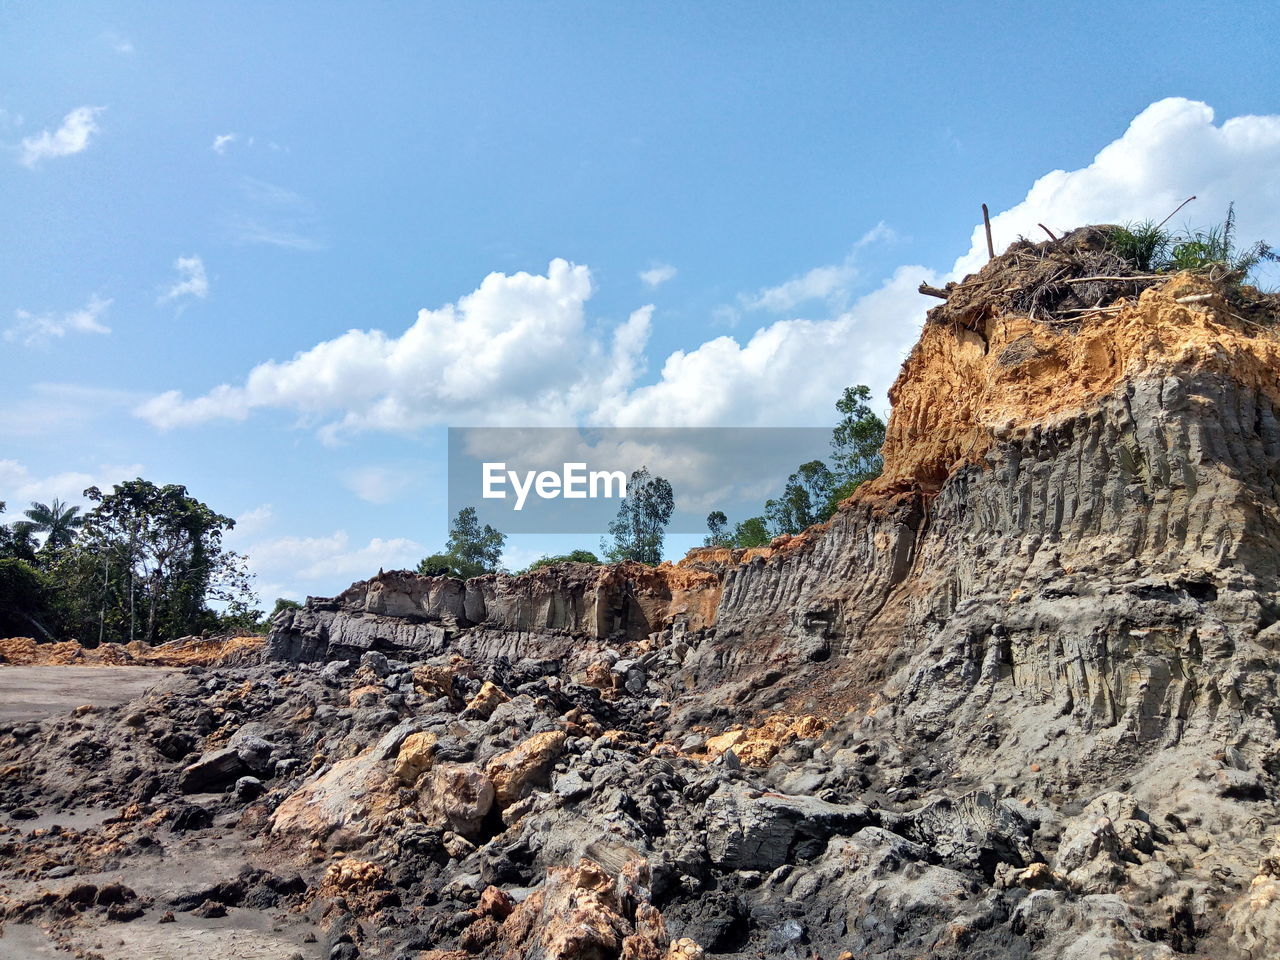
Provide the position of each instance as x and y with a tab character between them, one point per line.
57	520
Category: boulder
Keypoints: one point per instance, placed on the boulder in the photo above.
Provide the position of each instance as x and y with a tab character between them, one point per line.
456	796
417	754
216	770
525	767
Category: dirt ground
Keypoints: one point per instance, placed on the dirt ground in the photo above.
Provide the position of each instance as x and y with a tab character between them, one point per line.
33	693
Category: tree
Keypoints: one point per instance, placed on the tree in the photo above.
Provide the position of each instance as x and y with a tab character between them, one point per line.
283	604
857	438
804	499
17	543
470	551
752	532
26	600
718	525
148	562
640	527
56	520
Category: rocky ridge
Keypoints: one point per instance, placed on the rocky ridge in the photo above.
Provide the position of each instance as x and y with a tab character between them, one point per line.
1016	699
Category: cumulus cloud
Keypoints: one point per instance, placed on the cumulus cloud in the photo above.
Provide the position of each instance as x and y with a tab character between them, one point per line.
31	329
19	485
223	140
192	280
254	521
831	283
78	127
658	274
787	373
298	566
516	350
520	350
1172	150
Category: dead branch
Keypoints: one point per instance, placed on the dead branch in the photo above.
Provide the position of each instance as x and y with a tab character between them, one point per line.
929	291
1175	210
1152	276
986	222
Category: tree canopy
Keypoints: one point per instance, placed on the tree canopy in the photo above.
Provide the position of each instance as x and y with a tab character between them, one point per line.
470	551
639	530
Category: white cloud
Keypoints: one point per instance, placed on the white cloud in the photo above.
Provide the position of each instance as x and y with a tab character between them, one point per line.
223	140
254	521
19	486
831	283
658	274
192	280
73	136
519	350
1171	151
516	350
32	329
324	566
380	485
821	283
786	374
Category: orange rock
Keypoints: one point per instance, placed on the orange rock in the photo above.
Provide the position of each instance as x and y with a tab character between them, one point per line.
417	754
526	766
487	700
757	746
457	796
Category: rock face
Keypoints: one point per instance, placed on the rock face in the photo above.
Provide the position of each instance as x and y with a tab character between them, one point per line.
1017	698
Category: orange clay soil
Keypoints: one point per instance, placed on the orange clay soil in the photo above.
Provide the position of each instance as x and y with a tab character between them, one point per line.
189	651
962	388
668	590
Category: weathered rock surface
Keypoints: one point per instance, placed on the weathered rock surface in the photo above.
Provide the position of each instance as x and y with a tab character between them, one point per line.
1017	698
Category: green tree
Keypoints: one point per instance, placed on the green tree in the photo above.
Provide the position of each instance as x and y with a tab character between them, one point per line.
57	521
283	604
470	551
752	532
718	525
857	438
26	600
148	562
16	542
640	528
804	500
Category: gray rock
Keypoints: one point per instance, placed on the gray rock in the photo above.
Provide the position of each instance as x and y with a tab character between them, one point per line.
213	771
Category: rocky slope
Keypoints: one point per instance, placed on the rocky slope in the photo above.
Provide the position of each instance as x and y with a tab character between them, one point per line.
1016	699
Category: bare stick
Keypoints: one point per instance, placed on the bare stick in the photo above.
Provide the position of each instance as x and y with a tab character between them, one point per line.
986	222
1047	230
1115	309
929	291
1152	276
1175	210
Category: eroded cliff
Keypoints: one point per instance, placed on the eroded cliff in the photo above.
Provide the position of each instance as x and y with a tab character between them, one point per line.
1016	698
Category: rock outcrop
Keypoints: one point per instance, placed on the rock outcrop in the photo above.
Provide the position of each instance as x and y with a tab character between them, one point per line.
1017	698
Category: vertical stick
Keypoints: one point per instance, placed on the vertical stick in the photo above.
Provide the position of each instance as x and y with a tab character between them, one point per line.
986	222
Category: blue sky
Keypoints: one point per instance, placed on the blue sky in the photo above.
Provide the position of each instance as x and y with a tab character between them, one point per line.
744	197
